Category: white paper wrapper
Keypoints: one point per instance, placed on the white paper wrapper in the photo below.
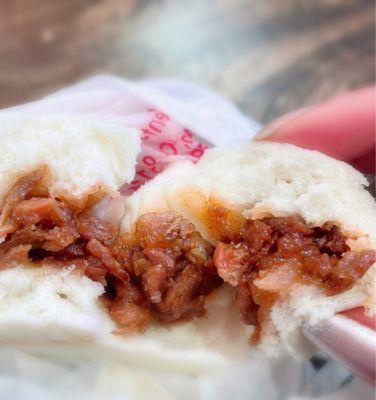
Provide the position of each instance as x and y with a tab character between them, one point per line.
178	121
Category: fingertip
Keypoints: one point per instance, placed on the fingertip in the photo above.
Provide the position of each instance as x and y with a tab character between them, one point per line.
343	127
359	315
275	129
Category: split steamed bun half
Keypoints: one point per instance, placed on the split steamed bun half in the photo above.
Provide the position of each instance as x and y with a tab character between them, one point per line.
272	179
56	311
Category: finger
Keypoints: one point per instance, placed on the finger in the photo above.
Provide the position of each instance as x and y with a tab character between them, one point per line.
347	342
343	127
365	163
358	315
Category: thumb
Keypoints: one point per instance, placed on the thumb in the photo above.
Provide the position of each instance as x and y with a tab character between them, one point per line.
343	127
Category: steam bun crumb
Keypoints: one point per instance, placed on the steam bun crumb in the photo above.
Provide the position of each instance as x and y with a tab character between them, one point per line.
47	304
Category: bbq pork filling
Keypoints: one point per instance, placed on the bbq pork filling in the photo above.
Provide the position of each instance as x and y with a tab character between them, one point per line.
164	270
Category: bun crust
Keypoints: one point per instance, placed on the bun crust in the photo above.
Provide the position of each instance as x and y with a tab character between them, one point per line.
84	154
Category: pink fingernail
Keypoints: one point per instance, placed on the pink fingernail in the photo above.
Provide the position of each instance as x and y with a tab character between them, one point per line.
274	127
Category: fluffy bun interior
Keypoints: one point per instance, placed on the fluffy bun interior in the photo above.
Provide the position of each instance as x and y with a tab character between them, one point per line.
46	304
57	312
